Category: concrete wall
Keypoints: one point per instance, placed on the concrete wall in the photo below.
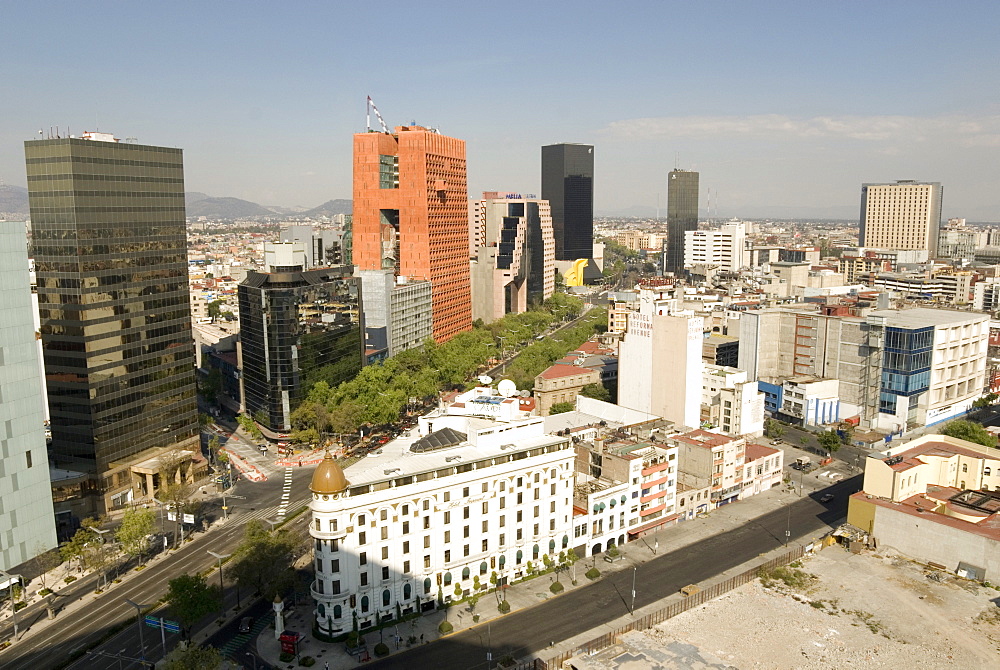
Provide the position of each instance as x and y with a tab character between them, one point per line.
931	542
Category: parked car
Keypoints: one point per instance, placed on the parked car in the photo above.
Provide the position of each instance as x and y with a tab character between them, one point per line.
246	623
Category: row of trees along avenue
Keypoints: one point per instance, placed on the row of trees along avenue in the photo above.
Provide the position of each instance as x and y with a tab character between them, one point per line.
380	393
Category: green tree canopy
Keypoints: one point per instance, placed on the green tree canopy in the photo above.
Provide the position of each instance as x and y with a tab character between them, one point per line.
561	407
137	524
970	431
829	440
193	657
190	598
263	560
596	391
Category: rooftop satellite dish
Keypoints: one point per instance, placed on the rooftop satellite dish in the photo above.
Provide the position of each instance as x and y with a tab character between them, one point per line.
525	393
485	379
506	388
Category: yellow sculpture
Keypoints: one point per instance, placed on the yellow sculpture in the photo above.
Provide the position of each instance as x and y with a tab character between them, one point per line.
574	276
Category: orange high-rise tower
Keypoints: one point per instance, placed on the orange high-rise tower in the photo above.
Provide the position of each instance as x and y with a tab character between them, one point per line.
411	215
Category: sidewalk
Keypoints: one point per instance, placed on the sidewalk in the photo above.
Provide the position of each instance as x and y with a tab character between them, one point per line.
524	594
33	619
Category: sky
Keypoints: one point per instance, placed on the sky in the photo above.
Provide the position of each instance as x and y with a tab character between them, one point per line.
785	108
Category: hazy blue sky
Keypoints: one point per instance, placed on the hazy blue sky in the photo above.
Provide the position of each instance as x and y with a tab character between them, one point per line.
784	107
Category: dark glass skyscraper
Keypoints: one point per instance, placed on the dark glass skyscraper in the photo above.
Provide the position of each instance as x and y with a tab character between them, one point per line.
297	327
110	251
682	215
568	185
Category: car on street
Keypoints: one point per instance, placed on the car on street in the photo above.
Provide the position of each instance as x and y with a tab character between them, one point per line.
826	498
246	623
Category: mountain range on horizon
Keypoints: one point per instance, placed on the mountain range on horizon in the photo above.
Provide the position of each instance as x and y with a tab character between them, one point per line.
14	201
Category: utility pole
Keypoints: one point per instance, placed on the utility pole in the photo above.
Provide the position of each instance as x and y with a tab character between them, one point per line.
788	524
634	570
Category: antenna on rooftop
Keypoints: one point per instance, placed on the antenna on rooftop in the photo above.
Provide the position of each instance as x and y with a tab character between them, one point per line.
368	117
677	160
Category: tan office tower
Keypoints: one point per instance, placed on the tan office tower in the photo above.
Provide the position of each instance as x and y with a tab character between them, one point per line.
411	215
904	215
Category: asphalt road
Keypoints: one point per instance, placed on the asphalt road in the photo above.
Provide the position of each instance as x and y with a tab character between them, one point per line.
79	628
533	629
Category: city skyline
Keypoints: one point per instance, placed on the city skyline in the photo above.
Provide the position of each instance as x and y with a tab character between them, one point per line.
782	112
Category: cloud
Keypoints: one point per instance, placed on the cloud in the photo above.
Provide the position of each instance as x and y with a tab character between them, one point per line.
983	131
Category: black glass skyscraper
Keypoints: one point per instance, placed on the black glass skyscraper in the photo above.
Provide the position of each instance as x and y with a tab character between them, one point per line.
568	185
682	215
110	251
297	328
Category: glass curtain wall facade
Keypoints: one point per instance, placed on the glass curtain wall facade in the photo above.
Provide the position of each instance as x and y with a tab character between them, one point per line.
568	185
906	366
682	215
110	251
297	328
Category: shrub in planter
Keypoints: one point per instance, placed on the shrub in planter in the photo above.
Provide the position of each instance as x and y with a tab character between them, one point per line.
475	618
286	657
45	592
556	587
19	606
445	627
307	661
504	607
381	649
353	641
506	661
593	573
70	579
613	551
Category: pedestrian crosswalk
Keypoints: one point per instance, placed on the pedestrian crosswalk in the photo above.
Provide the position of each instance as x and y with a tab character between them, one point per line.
286	492
238	642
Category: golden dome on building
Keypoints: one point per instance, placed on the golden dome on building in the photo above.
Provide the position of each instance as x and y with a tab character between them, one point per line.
329	477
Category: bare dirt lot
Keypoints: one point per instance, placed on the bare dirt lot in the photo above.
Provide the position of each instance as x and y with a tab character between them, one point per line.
841	610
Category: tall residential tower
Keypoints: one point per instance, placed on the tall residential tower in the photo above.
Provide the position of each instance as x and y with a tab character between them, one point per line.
110	251
568	185
411	215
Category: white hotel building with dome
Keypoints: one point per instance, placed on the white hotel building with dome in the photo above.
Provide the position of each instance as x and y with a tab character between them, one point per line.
463	502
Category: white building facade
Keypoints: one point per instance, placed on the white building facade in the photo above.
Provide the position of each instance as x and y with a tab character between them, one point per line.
731	402
464	504
723	248
659	363
27	522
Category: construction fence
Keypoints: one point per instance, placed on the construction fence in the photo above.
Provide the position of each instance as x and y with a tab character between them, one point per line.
668	612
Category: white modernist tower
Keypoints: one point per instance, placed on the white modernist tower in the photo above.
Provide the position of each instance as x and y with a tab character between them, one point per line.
468	503
659	363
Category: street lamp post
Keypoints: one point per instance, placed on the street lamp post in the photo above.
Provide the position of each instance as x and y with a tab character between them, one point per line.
13	606
254	658
104	572
222	588
138	621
